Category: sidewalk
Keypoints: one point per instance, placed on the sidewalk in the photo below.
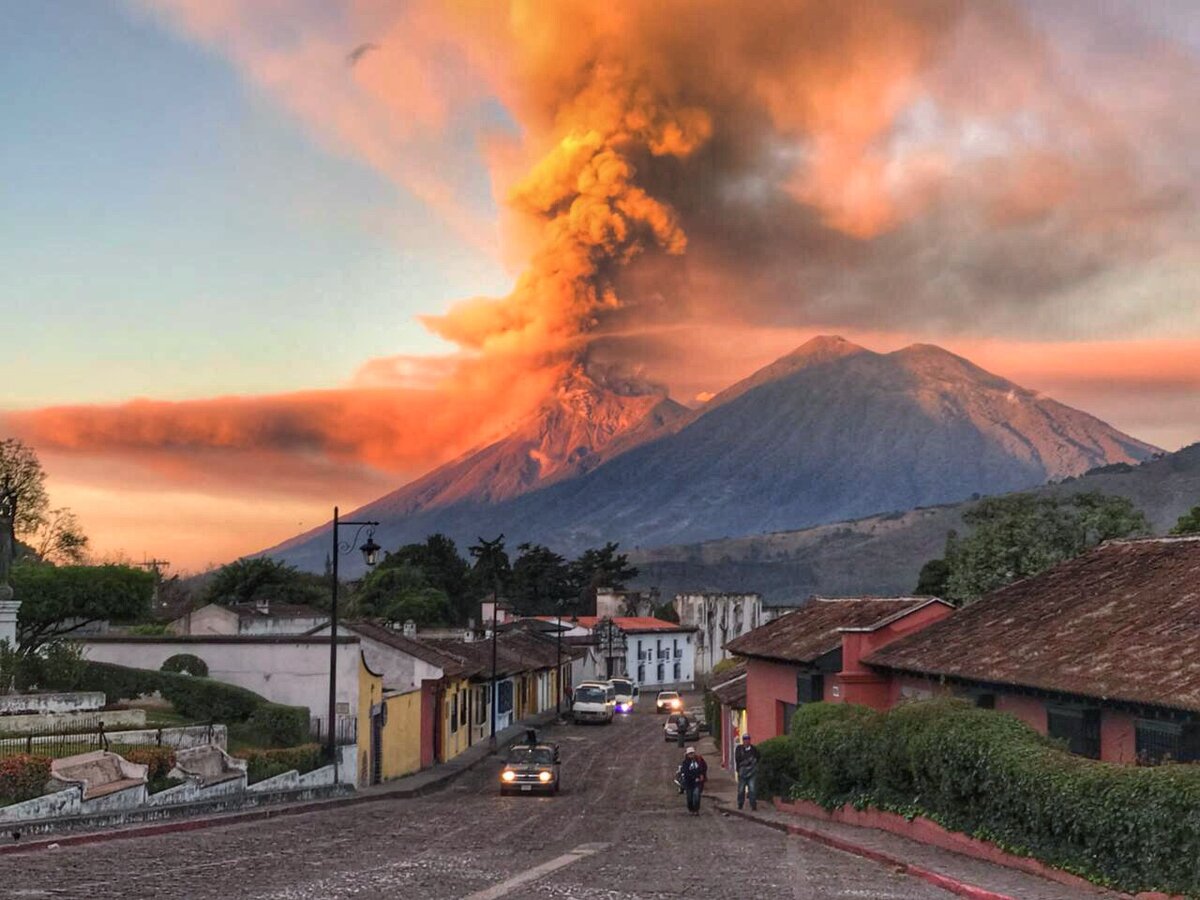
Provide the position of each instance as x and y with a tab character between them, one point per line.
953	872
414	785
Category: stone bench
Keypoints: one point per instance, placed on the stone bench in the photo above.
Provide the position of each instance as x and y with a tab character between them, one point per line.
97	774
208	765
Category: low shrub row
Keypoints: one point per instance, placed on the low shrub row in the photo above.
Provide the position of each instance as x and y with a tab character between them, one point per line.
264	764
23	777
989	775
202	699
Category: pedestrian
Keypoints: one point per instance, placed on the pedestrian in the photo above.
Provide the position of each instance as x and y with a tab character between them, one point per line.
693	772
745	759
681	729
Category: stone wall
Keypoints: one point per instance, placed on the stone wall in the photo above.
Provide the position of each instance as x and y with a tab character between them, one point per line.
65	702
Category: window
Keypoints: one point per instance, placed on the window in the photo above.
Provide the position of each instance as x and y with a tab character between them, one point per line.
784	713
640	654
1078	726
810	688
1159	742
678	671
454	712
480	706
985	701
660	673
463	709
641	673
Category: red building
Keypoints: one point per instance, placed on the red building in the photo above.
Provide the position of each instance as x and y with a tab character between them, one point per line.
816	653
1102	651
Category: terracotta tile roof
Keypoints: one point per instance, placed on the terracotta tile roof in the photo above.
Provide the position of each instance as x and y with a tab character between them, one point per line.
730	686
1121	622
813	630
452	664
278	611
635	624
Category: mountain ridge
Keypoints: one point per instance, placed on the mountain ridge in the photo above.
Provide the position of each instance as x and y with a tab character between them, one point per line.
829	432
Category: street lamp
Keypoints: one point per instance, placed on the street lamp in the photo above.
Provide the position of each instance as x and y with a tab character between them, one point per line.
370	551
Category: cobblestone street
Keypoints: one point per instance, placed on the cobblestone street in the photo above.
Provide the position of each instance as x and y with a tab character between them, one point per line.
617	831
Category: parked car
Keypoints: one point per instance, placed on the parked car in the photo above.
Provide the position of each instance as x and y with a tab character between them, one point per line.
625	693
668	702
671	729
531	768
590	704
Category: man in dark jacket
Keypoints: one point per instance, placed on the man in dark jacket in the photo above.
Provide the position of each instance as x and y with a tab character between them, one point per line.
682	723
745	758
693	772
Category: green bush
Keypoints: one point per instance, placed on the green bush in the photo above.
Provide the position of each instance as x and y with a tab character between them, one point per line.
263	764
777	767
204	700
834	748
988	774
23	777
185	664
158	760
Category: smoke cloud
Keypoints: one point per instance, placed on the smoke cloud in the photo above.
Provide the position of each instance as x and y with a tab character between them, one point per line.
937	167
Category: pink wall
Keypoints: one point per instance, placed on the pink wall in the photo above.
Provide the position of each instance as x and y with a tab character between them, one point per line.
768	685
1029	710
1118	737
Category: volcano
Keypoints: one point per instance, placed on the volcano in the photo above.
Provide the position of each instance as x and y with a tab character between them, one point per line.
832	431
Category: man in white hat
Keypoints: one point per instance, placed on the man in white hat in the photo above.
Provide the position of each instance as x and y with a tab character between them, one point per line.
692	773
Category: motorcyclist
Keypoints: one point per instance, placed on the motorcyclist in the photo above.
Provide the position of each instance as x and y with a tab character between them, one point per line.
693	772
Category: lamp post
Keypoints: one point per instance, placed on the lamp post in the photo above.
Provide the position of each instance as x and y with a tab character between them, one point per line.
558	672
370	552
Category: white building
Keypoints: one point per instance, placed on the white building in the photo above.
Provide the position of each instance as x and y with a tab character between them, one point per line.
612	603
250	619
718	618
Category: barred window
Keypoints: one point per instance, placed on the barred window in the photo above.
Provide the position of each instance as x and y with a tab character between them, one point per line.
1078	726
1159	742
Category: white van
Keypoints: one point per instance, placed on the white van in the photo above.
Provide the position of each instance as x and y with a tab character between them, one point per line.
590	704
625	692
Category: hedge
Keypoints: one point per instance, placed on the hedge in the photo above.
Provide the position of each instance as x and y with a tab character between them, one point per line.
989	775
264	764
23	777
202	699
186	664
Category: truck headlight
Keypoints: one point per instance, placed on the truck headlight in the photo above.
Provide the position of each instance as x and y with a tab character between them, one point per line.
508	775
544	777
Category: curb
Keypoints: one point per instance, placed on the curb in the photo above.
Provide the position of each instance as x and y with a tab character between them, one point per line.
937	879
269	812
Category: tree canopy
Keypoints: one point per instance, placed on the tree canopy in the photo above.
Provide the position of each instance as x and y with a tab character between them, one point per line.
541	579
443	568
47	535
57	600
257	579
398	593
597	568
1020	535
1189	522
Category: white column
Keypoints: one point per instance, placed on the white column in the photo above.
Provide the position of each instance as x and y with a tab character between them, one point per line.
8	616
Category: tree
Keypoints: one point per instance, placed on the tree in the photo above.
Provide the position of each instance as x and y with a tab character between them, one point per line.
1019	535
261	579
22	486
492	572
444	569
57	600
604	567
667	612
540	579
933	578
399	593
59	539
1189	522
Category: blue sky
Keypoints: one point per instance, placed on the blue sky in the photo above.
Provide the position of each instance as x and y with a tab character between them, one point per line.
167	231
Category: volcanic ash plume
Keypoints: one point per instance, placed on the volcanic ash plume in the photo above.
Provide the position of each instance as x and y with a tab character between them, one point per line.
594	218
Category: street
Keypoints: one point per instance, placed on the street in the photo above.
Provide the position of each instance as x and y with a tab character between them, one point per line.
617	831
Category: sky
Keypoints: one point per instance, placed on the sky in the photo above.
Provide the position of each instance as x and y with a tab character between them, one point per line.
259	258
